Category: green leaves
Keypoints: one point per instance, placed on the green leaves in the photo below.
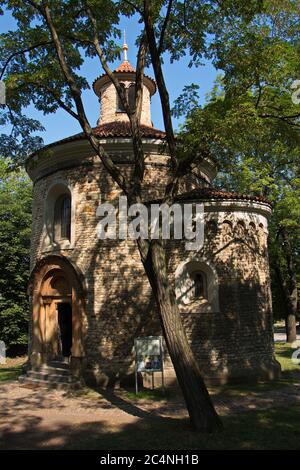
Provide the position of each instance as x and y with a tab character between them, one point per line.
30	66
15	232
250	124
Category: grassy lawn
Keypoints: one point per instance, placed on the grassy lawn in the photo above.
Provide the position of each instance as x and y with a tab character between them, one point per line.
276	428
270	429
290	374
12	368
283	355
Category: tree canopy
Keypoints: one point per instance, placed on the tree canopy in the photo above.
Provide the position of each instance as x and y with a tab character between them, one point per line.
15	232
248	119
250	123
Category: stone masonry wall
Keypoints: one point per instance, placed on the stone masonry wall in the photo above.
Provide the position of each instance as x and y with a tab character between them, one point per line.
234	341
109	101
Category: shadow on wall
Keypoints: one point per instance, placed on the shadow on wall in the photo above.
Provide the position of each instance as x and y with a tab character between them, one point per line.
234	341
119	304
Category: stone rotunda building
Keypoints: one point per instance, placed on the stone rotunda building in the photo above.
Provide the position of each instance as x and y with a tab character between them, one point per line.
95	293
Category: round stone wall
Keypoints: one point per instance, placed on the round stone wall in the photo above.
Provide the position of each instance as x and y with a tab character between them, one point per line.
229	328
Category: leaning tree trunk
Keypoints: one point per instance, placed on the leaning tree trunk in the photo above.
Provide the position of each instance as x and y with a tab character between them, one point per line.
290	290
290	304
202	414
291	294
291	328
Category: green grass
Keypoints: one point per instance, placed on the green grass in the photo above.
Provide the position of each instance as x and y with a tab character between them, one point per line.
153	395
276	428
11	369
284	357
290	374
9	373
269	429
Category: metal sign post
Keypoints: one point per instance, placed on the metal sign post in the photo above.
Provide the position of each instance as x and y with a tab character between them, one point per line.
149	358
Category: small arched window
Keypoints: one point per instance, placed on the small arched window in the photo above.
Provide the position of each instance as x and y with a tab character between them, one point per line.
131	96
62	218
196	286
120	107
199	285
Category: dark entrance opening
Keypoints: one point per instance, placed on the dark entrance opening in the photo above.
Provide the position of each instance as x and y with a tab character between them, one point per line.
65	328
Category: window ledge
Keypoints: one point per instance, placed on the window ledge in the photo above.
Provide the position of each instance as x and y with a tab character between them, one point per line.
196	306
63	245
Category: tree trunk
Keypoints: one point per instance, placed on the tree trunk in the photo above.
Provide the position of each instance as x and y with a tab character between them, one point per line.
202	414
290	289
290	327
289	312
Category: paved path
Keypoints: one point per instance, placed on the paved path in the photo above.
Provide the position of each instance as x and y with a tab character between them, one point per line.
42	419
280	335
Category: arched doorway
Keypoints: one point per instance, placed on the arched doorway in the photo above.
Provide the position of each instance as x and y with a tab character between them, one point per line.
64	324
57	311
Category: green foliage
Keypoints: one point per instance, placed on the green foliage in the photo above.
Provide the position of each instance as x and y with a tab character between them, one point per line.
251	126
20	140
30	67
15	229
256	155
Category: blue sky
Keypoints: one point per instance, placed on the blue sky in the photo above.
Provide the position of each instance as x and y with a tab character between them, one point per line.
177	75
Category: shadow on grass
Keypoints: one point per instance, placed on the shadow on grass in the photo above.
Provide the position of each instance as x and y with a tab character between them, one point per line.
10	373
271	429
284	357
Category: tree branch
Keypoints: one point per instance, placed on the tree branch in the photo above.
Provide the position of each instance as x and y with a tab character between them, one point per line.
164	96
107	70
133	115
282	118
76	94
23	51
162	34
135	119
134	7
61	103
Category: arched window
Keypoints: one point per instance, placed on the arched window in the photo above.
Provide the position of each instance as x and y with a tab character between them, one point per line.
120	107
131	96
196	286
62	218
199	285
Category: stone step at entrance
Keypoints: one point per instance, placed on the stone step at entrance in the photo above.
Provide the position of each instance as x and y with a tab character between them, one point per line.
62	365
56	375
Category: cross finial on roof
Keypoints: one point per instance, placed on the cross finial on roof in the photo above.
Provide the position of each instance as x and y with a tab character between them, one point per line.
125	47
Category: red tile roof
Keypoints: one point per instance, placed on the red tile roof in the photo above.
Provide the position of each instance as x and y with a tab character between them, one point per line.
110	129
122	129
125	67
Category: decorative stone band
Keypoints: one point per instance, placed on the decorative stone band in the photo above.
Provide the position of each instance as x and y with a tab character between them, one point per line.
123	72
216	194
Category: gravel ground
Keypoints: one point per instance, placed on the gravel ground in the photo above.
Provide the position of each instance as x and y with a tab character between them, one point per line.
44	419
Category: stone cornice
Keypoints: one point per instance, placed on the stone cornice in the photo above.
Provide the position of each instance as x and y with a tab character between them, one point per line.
104	80
72	154
235	205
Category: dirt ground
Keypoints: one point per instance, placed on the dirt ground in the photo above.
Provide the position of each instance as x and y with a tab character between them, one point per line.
44	419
